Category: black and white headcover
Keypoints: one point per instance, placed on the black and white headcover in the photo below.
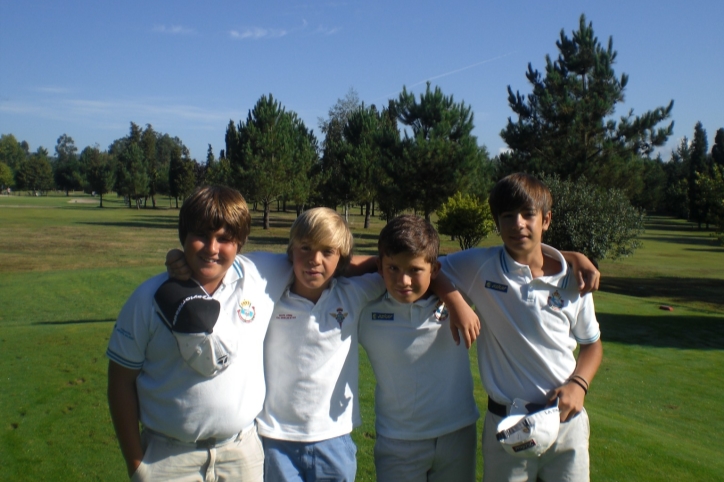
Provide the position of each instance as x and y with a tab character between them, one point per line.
191	314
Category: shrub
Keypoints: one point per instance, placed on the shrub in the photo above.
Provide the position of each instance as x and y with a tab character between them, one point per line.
465	218
600	223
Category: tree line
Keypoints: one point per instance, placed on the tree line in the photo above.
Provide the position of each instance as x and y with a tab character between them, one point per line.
418	153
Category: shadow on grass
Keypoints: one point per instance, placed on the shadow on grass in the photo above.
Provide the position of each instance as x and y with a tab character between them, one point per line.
664	331
695	240
371	236
682	290
72	322
270	240
168	224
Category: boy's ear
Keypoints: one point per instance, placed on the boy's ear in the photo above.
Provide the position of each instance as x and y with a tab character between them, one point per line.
547	220
434	269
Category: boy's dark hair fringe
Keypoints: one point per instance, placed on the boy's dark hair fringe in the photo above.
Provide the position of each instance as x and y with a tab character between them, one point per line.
409	234
211	208
519	190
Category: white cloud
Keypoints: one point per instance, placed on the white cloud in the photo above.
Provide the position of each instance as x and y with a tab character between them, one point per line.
173	29
256	33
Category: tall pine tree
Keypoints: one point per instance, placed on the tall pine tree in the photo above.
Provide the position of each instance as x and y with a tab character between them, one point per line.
565	125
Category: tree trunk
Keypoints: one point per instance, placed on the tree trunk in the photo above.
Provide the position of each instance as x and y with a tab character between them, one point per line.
267	208
346	212
367	215
101	201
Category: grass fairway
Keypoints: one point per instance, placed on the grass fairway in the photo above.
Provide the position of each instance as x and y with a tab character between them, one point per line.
67	267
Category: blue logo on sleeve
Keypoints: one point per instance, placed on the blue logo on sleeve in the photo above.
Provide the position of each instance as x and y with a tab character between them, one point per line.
383	316
496	286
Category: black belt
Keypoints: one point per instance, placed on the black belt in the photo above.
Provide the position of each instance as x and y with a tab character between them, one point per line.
496	408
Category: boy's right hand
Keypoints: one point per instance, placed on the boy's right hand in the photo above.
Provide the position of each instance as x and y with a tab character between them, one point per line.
176	265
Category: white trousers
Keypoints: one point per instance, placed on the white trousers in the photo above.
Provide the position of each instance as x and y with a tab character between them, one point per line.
242	459
448	458
566	460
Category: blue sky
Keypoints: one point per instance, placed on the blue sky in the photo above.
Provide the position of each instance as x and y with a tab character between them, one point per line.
89	68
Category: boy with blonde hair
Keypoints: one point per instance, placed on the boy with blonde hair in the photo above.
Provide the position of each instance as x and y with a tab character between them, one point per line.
186	358
311	356
424	405
532	319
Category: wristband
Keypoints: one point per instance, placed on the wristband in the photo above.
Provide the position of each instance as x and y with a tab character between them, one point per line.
575	380
581	379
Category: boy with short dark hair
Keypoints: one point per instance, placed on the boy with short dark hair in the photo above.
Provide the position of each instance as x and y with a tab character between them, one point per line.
532	319
186	358
424	404
311	356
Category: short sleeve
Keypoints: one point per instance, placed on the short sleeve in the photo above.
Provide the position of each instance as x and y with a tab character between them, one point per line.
369	287
134	326
586	329
275	269
463	267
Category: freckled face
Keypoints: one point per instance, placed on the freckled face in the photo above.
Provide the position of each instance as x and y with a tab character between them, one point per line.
407	276
314	268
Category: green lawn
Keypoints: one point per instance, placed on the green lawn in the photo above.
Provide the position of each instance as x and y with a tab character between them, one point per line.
68	266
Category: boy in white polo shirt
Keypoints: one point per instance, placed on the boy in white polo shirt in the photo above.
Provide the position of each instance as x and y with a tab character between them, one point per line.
197	410
532	319
311	357
424	405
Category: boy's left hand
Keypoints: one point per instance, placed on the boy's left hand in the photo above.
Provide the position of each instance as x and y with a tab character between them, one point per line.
570	400
585	272
176	265
463	320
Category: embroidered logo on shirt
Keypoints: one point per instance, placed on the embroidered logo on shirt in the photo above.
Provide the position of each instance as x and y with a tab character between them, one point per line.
383	316
556	302
246	311
491	285
441	313
339	316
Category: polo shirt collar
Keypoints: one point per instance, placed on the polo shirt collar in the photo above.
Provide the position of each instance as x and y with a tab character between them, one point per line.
511	267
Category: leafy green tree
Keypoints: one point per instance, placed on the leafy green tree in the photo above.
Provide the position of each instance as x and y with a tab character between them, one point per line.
135	180
717	150
334	188
364	135
263	156
6	176
99	171
12	152
651	197
181	175
466	218
565	125
711	188
35	173
600	223
154	170
302	180
676	193
66	172
439	150
698	166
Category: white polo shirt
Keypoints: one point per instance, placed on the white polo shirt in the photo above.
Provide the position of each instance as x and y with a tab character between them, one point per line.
174	399
424	385
311	361
530	327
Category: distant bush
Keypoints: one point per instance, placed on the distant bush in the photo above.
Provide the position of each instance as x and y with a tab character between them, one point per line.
465	218
600	223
